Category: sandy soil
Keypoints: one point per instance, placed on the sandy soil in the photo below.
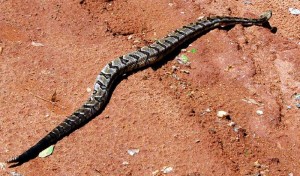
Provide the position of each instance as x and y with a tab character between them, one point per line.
169	114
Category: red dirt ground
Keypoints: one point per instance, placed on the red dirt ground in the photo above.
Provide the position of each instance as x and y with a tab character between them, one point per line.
162	112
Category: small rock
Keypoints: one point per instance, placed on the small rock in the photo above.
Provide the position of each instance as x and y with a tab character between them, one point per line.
174	68
232	124
154	173
257	164
167	169
88	90
236	129
222	114
132	152
129	37
197	141
291	174
294	11
2	166
247	2
259	112
190	94
15	174
171	4
36	44
137	41
207	110
185	71
298	105
176	135
297	96
1	49
200	17
175	76
125	163
289	107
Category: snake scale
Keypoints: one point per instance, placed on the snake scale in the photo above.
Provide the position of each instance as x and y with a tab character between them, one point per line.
133	61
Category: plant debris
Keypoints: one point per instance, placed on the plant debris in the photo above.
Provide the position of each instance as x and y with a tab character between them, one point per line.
48	151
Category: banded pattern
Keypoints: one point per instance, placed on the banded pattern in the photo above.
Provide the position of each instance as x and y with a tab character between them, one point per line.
143	57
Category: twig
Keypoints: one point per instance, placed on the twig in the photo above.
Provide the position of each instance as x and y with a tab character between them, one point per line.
53	103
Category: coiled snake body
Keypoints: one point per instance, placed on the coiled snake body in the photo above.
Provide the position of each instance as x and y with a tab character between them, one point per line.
143	57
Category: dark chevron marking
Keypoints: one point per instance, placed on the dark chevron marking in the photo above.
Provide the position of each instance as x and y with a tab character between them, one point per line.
145	56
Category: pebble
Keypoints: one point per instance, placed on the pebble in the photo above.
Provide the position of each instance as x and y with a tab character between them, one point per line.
236	129
36	44
183	50
136	41
247	2
175	76
185	71
132	152
222	114
15	174
130	37
167	169
207	110
174	68
294	11
231	124
259	112
154	173
125	163
257	164
297	96
200	17
2	166
170	4
88	90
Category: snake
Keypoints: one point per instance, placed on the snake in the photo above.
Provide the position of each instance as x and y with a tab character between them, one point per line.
134	61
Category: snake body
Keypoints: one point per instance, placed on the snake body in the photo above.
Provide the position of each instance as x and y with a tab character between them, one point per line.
133	61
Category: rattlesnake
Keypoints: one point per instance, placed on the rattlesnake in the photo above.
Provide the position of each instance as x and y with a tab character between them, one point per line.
133	61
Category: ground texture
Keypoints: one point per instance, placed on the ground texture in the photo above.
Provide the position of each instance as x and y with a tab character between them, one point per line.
169	112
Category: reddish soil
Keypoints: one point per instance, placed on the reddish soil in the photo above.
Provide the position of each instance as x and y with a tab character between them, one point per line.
162	112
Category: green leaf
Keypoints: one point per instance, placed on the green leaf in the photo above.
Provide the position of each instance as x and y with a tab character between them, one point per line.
193	50
48	151
184	58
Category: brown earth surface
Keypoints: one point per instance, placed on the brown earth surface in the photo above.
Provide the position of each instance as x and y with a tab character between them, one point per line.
169	113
